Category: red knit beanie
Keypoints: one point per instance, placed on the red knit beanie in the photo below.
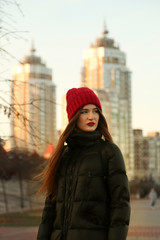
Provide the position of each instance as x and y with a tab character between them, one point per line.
79	97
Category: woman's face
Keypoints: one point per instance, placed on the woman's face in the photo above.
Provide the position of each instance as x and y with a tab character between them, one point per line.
89	118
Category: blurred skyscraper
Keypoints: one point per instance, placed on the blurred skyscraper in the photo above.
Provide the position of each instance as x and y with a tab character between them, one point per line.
33	124
147	155
105	72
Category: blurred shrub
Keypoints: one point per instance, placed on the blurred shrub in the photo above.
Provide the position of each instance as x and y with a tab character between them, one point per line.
142	187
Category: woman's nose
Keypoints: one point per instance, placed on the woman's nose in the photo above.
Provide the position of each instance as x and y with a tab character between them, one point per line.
90	115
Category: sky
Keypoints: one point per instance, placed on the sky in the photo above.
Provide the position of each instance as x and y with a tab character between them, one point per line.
62	30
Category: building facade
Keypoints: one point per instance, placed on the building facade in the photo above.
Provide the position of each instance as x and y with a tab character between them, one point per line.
105	72
147	155
153	139
141	155
33	124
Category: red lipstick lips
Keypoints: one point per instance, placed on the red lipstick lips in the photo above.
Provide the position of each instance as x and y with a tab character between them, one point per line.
91	124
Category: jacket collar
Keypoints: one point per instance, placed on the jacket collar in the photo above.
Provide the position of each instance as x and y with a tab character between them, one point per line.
83	139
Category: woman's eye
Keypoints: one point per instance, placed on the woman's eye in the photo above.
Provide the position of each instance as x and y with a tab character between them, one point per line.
84	111
95	111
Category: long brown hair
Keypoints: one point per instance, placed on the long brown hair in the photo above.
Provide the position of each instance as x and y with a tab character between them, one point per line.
48	175
103	127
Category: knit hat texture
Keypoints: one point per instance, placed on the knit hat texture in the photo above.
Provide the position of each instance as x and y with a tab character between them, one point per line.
79	97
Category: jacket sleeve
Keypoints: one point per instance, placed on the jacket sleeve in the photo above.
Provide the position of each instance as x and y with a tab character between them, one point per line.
118	188
48	216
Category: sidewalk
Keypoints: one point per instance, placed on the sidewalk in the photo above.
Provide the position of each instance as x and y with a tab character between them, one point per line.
18	233
144	225
145	221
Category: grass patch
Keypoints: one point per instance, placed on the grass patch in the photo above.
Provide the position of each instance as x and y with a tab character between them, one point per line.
27	218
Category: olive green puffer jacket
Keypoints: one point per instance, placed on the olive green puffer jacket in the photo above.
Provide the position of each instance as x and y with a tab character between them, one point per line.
92	196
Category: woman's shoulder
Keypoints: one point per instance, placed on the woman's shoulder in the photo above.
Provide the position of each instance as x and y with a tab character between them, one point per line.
110	147
64	151
112	154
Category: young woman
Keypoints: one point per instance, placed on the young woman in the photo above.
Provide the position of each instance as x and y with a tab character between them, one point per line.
85	181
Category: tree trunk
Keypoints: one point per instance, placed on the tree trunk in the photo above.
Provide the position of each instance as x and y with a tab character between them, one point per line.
21	191
4	194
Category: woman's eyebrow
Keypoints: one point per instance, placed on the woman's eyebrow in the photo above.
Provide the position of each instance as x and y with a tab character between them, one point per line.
89	109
